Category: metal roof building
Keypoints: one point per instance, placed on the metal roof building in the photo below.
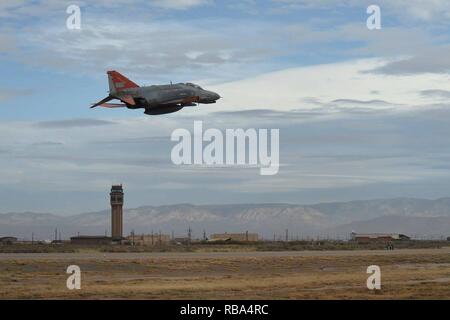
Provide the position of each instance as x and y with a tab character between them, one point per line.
378	236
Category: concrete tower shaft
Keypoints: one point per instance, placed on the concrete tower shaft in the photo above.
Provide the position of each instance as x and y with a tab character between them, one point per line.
116	212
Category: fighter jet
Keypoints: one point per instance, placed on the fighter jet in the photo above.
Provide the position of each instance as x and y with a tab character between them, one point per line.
156	99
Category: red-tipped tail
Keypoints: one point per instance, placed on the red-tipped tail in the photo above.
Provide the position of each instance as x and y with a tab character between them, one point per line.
118	82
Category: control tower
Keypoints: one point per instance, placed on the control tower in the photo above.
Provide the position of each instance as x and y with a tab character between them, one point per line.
116	212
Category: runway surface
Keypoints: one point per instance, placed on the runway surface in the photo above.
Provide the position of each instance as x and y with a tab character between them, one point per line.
211	255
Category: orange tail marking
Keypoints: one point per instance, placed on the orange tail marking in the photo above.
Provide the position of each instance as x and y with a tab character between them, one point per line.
120	81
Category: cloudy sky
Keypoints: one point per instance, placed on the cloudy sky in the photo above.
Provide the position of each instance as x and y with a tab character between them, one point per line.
362	114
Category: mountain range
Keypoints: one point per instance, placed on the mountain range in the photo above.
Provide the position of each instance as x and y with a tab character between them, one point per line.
414	217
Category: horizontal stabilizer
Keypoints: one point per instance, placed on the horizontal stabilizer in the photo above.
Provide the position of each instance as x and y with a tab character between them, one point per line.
113	105
108	98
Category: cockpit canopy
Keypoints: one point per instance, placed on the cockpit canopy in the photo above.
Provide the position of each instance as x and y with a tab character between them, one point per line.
194	85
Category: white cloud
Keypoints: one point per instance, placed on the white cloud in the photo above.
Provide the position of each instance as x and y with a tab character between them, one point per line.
23	8
180	4
7	94
158	49
351	152
431	10
352	80
6	6
149	51
7	42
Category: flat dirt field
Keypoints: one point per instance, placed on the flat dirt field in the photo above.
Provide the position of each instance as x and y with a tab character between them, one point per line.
405	274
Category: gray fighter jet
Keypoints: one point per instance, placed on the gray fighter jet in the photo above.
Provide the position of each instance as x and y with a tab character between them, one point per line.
156	99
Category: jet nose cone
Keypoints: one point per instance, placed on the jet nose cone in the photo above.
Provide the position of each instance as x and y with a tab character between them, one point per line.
209	97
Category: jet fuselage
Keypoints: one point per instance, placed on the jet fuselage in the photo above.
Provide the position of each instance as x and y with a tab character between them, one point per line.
182	94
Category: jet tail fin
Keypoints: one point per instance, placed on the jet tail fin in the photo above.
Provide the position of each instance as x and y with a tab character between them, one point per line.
118	82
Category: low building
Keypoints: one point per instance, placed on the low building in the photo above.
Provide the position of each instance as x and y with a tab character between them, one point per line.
386	237
182	240
234	237
91	240
8	240
148	239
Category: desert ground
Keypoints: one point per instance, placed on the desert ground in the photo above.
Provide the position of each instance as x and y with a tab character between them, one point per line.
405	274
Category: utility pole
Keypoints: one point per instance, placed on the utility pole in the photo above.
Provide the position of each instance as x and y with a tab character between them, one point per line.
287	235
189	234
56	234
32	238
204	235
